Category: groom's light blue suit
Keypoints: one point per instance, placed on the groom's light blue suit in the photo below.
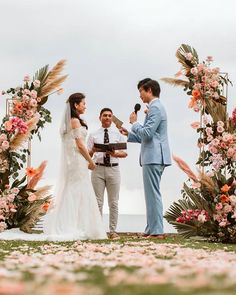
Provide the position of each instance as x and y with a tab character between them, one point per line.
154	156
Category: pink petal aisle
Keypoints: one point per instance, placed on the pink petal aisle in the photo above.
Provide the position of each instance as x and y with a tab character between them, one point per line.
68	268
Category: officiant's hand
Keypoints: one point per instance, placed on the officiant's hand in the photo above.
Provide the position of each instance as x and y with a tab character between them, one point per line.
133	118
124	131
91	166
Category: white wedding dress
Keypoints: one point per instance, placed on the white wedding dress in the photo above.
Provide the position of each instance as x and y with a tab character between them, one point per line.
75	215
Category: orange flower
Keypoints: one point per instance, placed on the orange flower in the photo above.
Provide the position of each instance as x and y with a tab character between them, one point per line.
193	102
224	199
30	171
225	188
45	206
18	106
195	93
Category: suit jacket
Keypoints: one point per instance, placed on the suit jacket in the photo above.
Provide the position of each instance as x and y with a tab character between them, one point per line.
152	136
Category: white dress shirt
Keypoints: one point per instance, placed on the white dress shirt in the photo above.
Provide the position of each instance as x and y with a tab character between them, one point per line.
98	137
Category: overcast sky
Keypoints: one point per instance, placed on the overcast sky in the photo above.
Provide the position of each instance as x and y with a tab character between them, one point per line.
109	46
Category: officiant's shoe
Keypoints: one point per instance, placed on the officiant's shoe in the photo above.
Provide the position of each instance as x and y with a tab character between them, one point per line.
114	236
160	237
144	235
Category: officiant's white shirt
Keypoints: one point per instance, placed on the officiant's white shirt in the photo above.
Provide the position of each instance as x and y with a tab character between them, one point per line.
98	137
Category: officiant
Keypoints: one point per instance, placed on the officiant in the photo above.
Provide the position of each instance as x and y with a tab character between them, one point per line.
106	175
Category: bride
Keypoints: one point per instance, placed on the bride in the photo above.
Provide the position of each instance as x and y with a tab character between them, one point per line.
75	214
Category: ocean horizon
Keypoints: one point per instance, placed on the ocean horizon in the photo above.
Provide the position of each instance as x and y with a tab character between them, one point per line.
134	223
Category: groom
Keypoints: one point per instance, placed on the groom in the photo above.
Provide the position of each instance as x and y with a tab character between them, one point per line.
155	153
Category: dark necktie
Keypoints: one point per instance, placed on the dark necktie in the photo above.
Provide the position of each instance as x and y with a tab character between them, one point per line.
106	140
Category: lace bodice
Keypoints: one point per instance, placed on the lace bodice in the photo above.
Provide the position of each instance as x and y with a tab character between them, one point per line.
80	132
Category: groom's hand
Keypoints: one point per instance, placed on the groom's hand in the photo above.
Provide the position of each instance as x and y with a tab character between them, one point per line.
124	131
133	118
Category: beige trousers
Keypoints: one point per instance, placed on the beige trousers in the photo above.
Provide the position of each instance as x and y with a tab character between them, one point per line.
107	178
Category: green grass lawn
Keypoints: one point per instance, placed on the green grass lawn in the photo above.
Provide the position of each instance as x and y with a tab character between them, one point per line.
95	278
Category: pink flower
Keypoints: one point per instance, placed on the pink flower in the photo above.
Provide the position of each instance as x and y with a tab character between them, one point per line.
202	218
220	123
8	125
220	129
210	173
230	152
5	145
36	83
209	58
33	94
209	138
3	137
205	120
209	130
26	78
232	199
227	208
32	198
223	223
33	103
188	56
3	226
194	71
195	125
219	206
214	84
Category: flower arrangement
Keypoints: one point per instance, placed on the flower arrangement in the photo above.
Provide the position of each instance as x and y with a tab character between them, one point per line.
208	206
21	203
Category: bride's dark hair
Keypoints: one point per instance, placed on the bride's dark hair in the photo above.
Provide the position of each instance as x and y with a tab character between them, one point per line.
72	100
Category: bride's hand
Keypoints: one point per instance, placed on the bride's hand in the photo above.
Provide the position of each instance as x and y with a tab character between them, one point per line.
91	166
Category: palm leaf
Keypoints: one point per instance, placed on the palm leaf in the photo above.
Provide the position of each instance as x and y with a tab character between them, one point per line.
186	64
216	110
41	75
50	87
176	82
55	71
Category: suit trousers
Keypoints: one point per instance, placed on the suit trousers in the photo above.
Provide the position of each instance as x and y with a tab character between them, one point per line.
107	178
154	208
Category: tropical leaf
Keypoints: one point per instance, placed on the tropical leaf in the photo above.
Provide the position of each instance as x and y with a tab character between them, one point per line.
41	75
176	82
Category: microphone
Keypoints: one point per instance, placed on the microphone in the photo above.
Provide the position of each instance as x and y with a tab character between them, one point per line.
137	107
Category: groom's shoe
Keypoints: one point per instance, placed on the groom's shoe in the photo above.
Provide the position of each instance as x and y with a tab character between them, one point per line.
114	236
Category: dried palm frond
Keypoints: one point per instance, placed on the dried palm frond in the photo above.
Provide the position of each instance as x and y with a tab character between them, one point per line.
35	179
207	182
176	82
31	214
19	139
50	87
216	110
55	71
184	166
180	54
42	192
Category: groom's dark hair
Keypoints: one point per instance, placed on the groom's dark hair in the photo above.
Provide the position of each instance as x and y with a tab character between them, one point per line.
148	83
105	110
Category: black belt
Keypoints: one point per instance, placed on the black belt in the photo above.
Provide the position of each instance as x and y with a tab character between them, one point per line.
107	165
